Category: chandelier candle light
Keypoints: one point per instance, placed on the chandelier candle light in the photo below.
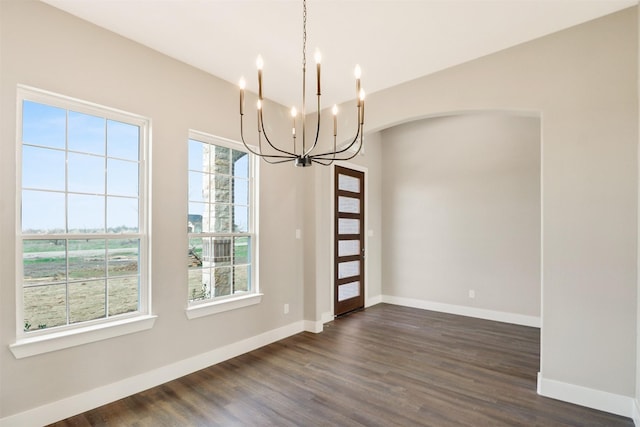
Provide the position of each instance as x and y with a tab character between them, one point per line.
305	156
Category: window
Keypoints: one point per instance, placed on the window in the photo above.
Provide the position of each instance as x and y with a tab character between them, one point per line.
82	226
220	221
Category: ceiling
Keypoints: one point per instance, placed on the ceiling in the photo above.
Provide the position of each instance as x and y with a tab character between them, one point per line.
394	41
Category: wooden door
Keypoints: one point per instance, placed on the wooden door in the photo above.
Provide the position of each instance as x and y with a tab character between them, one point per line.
349	240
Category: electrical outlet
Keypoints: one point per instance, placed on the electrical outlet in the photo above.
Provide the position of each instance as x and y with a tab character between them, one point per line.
472	293
286	309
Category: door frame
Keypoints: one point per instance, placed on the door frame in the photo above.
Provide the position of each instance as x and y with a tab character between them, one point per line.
367	232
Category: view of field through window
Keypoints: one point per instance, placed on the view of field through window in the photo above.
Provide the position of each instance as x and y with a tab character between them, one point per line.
81	238
218	222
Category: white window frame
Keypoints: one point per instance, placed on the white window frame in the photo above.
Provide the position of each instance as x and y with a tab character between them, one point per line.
60	337
196	309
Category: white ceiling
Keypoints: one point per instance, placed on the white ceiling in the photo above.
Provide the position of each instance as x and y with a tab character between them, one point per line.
393	40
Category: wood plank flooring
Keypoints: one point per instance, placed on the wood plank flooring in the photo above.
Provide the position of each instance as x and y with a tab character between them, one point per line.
385	366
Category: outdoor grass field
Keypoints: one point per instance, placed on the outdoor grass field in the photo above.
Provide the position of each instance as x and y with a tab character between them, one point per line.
71	281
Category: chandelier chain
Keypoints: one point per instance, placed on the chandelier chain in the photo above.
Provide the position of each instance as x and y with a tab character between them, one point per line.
304	34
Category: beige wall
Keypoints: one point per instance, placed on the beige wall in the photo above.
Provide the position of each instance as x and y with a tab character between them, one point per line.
462	211
583	82
48	49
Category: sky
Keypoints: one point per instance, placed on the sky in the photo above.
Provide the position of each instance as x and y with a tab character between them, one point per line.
99	170
97	161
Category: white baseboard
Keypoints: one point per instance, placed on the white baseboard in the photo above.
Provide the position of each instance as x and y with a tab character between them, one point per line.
327	317
589	397
373	301
480	313
313	326
61	409
636	412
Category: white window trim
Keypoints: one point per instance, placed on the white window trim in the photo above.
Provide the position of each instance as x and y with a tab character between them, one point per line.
58	338
196	310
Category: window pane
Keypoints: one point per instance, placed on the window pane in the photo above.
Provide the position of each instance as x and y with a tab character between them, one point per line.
198	157
123	140
196	252
198	187
240	164
194	223
43	125
241	250
241	191
44	261
199	284
86	214
87	259
42	168
123	294
86	173
123	257
240	219
198	218
221	187
122	215
122	178
221	158
34	203
241	278
220	219
216	251
44	306
86	133
222	280
87	300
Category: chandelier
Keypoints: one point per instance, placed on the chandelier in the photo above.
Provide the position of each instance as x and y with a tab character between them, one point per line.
304	154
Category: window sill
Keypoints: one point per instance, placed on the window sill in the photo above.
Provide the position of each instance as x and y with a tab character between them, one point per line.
201	310
32	346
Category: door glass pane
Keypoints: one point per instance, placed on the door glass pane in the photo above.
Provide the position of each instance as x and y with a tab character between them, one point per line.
348	290
348	269
348	183
348	226
348	205
348	247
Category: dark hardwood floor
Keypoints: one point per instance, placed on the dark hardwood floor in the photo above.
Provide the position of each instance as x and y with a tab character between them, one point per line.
385	366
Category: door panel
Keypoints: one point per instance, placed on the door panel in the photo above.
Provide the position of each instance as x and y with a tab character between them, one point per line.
349	240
